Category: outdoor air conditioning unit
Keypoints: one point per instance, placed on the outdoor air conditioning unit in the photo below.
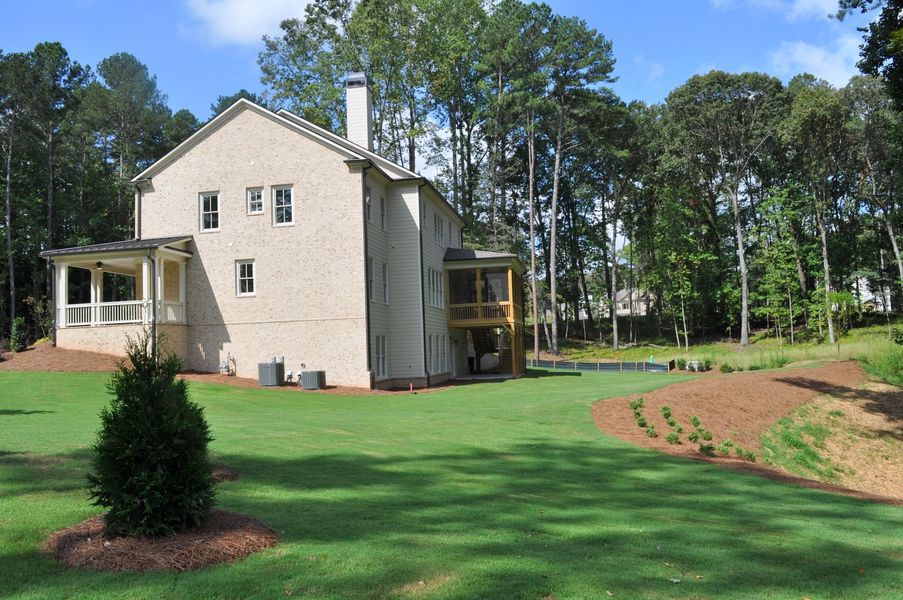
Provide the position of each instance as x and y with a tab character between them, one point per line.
313	380
271	373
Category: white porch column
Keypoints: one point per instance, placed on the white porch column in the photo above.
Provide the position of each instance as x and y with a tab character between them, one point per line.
145	288
182	291
95	296
62	293
161	265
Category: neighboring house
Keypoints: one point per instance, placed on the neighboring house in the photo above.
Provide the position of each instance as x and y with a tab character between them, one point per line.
264	235
638	298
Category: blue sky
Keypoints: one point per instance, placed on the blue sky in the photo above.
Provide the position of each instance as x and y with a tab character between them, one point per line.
200	49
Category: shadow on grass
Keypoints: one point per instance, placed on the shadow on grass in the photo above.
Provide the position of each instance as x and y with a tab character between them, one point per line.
884	403
540	518
10	412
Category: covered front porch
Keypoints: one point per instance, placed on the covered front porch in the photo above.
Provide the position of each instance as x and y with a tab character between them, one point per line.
138	282
485	298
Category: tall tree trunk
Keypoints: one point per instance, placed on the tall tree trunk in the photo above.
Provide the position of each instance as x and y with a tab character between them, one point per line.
744	271
50	215
790	312
683	316
823	237
615	209
453	127
531	170
10	255
553	240
896	248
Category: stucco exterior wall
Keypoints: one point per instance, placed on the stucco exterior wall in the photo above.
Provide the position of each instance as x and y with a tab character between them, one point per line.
309	303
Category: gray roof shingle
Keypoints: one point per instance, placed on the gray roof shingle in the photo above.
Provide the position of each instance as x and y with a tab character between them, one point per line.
463	254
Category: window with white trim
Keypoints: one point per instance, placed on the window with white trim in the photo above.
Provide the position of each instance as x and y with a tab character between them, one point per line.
386	283
448	358
255	201
244	278
441	342
283	206
448	242
368	200
370	278
429	353
209	204
382	212
382	364
438	228
435	355
436	288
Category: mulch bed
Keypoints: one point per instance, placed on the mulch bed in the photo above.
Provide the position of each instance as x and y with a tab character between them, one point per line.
738	406
225	537
44	357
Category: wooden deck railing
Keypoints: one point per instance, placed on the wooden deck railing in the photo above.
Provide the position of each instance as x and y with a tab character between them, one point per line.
481	311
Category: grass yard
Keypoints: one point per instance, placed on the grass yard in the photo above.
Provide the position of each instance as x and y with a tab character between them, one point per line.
495	490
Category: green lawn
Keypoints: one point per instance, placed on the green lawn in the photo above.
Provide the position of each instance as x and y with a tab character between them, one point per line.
497	490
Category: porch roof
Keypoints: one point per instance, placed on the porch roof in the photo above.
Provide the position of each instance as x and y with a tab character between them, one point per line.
461	258
125	246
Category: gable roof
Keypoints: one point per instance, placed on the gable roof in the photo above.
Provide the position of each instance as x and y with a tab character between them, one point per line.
393	169
227	115
118	246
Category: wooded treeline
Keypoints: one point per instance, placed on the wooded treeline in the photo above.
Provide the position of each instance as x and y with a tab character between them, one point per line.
70	138
739	202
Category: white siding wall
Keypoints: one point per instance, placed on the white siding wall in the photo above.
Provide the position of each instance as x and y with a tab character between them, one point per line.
378	250
433	255
406	306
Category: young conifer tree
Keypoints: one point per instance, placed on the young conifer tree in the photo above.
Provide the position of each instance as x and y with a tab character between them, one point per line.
150	467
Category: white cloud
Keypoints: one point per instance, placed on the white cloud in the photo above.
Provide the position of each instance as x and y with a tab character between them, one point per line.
835	65
241	22
651	70
792	9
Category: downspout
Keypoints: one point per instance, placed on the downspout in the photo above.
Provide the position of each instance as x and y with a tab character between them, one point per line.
138	197
153	283
53	318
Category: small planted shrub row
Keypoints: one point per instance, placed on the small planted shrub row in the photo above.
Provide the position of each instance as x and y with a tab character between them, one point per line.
673	437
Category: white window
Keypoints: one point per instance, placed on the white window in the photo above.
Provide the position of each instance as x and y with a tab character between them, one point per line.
368	201
448	242
283	206
438	228
382	212
370	278
436	288
448	358
244	278
429	353
442	368
255	201
382	367
209	212
385	283
435	355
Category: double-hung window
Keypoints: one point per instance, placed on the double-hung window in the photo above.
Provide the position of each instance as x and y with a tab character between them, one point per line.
209	211
385	283
382	367
382	212
283	206
244	278
438	229
436	288
255	201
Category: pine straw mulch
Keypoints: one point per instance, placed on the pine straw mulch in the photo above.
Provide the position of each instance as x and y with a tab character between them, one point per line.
225	537
742	407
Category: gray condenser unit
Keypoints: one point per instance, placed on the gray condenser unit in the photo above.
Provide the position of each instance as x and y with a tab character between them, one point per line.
313	380
271	373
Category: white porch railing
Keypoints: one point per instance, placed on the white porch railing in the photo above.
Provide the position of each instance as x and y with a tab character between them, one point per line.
120	313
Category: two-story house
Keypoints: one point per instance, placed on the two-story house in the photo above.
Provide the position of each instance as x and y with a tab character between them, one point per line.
264	235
